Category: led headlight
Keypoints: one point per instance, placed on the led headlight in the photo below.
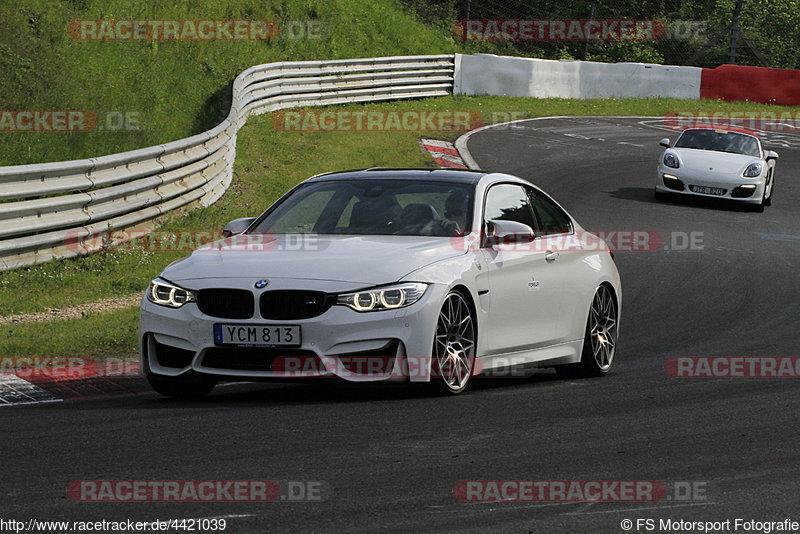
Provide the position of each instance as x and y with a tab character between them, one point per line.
752	170
383	298
163	293
671	160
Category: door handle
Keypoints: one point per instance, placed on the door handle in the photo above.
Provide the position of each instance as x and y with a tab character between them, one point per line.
552	255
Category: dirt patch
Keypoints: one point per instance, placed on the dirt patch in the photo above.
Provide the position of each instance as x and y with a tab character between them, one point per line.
71	312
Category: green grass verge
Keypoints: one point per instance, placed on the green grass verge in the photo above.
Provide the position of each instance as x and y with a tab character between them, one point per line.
268	163
100	336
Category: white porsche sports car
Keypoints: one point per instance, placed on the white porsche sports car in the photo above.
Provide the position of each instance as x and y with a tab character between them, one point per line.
386	274
722	163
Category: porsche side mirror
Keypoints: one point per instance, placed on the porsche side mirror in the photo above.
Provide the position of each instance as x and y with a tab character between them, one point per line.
771	155
664	142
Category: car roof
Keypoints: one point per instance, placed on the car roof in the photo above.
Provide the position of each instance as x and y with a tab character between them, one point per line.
722	129
383	173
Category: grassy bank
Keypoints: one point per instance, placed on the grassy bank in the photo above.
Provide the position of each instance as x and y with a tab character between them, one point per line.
171	89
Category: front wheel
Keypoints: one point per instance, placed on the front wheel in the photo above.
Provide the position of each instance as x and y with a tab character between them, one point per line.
768	200
600	340
453	345
759	208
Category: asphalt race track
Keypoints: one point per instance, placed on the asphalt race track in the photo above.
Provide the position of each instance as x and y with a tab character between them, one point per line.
388	458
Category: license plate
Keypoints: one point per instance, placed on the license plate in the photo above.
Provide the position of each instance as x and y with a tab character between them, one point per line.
246	335
709	190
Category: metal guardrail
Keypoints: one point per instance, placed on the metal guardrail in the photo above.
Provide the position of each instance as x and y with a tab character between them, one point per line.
49	209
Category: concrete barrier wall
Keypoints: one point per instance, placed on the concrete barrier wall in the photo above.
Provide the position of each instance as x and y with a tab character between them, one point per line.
485	74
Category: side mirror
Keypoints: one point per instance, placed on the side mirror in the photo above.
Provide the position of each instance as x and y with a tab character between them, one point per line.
499	232
771	155
664	142
237	226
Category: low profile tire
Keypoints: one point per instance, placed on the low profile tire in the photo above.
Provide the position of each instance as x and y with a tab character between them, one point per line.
768	200
600	340
453	345
193	387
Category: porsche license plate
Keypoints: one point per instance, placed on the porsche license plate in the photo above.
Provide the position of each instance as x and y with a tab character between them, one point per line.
246	335
718	191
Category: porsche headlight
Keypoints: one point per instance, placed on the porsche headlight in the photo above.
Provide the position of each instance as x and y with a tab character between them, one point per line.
383	298
752	170
671	160
163	293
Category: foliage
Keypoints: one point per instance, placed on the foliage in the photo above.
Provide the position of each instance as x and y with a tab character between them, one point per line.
773	26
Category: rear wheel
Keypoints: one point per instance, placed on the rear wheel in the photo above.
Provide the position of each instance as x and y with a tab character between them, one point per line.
600	339
453	345
190	387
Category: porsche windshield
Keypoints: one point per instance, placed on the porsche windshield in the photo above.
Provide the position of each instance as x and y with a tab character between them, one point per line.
373	207
720	141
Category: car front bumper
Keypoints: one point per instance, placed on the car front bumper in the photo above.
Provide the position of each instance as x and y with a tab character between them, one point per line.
669	180
356	346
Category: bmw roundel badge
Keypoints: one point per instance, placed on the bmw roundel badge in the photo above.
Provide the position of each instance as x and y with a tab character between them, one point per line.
261	284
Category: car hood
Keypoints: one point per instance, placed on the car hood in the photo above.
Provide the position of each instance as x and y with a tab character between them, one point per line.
694	160
357	259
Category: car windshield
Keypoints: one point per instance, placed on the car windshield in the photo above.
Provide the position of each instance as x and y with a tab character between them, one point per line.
720	141
373	207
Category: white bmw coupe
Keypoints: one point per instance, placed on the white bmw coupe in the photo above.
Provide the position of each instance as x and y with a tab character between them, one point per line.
722	163
386	274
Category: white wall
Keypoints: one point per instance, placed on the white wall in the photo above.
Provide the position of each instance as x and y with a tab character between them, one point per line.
486	74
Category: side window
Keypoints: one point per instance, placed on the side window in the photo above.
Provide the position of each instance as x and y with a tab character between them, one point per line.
508	202
552	219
